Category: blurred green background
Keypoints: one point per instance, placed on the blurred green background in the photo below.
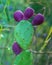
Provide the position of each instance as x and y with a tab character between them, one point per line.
42	33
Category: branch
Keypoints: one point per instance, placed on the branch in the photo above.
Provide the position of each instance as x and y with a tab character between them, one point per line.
36	52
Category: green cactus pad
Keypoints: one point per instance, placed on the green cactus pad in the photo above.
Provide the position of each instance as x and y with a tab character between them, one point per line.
25	58
24	33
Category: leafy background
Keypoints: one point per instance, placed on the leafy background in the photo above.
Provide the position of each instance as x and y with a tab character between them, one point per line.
42	40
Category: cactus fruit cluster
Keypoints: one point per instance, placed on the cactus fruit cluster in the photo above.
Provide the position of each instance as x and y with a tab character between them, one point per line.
23	33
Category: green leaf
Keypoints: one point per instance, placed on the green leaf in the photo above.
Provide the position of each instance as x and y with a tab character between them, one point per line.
47	40
25	58
37	7
24	33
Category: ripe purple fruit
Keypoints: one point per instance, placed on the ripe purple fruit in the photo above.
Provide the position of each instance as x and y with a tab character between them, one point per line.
38	19
18	15
16	48
28	13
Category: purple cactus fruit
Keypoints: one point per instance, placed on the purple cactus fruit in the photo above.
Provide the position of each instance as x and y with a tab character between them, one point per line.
16	48
38	19
28	13
18	15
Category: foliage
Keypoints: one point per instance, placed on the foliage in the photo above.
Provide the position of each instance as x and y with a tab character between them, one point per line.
40	43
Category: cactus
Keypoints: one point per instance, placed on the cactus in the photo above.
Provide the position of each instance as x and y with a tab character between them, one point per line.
25	58
23	33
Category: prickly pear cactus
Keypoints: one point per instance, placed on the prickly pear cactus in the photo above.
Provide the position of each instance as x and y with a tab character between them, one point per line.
24	33
25	58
